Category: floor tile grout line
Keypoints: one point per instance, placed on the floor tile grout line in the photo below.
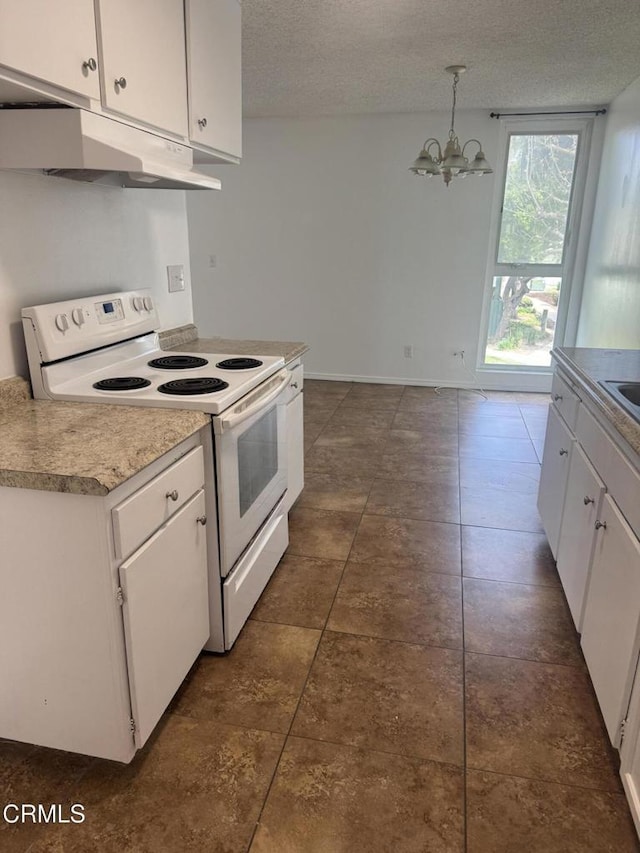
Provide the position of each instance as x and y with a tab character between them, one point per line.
509	529
234	725
546	781
412	756
394	640
304	686
462	649
580	666
284	743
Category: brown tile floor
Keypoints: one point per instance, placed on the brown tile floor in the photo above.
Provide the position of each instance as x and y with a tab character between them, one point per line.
409	682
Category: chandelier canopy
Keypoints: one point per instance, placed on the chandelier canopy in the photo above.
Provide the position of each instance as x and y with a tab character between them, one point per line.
451	162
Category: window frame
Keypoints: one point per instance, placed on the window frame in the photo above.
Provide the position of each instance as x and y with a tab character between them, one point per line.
583	127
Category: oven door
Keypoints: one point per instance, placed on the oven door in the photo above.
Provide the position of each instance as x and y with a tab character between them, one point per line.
251	464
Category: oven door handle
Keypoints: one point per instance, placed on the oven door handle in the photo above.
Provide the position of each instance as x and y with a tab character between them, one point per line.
233	420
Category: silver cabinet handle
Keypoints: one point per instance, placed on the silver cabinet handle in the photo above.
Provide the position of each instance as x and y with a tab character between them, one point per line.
173	496
202	519
557	397
120	82
563	452
587	500
294	384
600	524
90	64
202	122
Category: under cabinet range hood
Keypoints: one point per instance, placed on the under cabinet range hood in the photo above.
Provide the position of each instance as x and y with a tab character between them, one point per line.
84	146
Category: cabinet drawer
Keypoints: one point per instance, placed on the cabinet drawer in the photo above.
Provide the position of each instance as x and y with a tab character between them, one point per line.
135	519
597	445
565	400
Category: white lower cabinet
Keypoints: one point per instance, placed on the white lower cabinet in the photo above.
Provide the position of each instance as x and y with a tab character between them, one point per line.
166	612
582	503
592	521
92	648
610	628
558	446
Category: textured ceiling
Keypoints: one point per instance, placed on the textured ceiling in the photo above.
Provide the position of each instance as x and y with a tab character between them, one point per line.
325	57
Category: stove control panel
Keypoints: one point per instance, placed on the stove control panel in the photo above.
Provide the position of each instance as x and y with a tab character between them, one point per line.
60	329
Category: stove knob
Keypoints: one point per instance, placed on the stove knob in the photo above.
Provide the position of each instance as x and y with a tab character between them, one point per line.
138	304
77	315
62	322
148	304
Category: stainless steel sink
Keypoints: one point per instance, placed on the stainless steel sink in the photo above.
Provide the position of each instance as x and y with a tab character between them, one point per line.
626	394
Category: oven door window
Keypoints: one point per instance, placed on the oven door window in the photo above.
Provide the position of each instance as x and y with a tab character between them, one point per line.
257	459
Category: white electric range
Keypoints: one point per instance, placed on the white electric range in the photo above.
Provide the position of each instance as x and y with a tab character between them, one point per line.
105	349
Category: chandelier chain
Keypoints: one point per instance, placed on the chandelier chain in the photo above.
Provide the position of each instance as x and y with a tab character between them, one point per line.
456	77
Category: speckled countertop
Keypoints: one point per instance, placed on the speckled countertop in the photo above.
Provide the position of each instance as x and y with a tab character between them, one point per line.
82	448
185	339
588	367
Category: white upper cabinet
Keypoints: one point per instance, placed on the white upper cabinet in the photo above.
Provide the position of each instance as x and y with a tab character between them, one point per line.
143	71
52	42
214	64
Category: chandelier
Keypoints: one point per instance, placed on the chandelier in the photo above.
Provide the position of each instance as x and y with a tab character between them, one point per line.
451	162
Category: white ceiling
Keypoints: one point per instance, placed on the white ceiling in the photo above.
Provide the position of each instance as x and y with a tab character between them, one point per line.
325	57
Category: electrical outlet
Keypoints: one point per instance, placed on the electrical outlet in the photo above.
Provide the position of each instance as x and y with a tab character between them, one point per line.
408	351
175	275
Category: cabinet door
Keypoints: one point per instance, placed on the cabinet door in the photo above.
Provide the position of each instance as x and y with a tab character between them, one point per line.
630	755
142	47
577	535
52	42
610	638
215	74
558	445
295	450
166	612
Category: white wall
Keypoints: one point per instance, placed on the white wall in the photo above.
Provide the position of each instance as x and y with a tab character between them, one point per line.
610	313
60	239
323	235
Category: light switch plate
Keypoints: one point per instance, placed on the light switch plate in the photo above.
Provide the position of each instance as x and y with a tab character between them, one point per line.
175	275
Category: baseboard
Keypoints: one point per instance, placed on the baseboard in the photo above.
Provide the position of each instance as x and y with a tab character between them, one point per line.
523	382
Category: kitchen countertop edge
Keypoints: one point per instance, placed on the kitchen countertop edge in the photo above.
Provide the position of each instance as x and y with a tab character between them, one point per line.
573	361
84	448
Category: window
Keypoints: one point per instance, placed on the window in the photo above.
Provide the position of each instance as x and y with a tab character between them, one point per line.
534	243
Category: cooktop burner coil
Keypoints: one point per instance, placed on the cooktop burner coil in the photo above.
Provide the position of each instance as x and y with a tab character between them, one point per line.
178	362
122	383
240	363
193	385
